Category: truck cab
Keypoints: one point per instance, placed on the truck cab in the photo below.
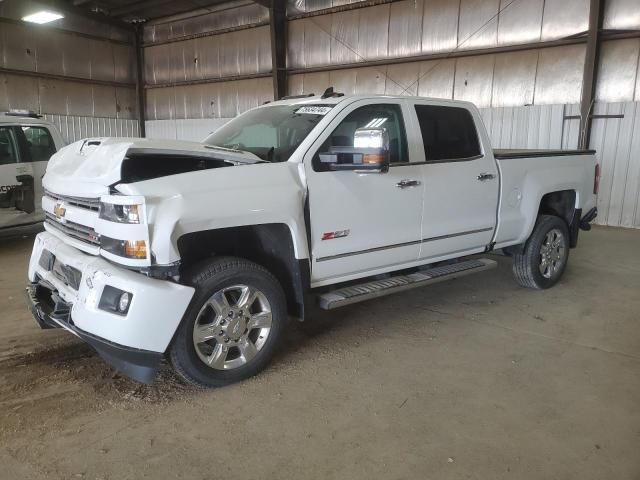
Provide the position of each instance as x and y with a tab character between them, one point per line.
200	252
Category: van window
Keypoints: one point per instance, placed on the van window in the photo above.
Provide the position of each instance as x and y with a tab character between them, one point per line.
8	153
39	143
448	133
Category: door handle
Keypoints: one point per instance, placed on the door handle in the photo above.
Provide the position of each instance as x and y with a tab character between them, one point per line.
408	183
486	176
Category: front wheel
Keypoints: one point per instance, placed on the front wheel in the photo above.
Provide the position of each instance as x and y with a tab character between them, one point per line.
232	326
545	254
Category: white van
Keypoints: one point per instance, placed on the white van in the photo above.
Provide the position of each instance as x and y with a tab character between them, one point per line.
26	144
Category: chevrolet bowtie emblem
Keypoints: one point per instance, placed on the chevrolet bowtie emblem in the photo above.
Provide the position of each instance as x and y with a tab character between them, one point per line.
59	210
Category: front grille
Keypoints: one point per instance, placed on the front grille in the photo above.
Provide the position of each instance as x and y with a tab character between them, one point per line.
74	230
92	204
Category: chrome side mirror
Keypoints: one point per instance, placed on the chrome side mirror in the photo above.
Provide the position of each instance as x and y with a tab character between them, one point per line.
369	154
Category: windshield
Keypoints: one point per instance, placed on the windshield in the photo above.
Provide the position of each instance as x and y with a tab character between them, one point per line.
272	133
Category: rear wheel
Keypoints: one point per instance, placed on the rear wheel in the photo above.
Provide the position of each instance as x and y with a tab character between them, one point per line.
545	254
232	326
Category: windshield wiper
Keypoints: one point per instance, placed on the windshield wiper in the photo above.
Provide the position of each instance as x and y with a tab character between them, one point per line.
270	154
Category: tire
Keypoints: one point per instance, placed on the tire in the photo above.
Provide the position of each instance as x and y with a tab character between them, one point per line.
211	346
546	249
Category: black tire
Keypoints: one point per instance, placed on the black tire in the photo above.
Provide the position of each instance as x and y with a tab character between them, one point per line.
526	265
208	279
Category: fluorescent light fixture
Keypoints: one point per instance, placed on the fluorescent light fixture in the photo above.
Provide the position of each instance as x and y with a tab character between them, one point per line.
43	16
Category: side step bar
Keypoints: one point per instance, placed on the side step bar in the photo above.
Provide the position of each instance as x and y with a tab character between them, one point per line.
387	286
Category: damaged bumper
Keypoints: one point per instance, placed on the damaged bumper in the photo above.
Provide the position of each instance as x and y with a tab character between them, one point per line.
68	289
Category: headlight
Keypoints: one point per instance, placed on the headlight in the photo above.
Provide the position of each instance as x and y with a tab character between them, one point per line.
135	249
120	213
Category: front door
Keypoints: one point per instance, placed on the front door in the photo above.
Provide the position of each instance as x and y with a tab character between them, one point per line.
363	224
461	183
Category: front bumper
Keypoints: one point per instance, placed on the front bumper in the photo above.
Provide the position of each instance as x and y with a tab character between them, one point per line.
50	312
133	343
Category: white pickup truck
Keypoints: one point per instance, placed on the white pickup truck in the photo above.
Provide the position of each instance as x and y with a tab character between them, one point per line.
201	252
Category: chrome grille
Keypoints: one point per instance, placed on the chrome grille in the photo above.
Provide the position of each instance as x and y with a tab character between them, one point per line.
74	230
92	204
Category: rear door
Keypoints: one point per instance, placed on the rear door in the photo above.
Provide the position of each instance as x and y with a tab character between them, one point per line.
16	201
364	223
461	184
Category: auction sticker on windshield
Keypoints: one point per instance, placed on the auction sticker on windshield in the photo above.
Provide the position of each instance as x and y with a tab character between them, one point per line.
314	110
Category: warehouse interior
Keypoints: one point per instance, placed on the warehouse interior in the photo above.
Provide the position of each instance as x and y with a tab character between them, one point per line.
478	378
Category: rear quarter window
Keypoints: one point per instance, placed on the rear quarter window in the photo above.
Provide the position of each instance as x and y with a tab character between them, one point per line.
448	133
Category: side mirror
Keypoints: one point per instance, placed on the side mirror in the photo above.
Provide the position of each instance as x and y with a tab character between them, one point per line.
369	154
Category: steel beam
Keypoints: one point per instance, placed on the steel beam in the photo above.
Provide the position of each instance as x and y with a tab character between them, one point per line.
140	93
51	76
590	73
278	25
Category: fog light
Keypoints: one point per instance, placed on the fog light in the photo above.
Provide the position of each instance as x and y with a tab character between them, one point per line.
115	300
123	303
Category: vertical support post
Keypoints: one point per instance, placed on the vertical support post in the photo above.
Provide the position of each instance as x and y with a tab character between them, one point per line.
590	73
140	94
278	25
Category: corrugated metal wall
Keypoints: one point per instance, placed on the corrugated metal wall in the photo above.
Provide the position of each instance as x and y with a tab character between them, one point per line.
67	73
193	129
73	127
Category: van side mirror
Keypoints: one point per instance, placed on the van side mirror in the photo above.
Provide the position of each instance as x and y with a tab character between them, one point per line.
369	154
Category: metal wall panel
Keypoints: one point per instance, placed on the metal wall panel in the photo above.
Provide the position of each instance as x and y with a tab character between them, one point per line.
474	79
344	80
222	18
317	41
405	28
559	77
618	70
402	79
514	78
370	80
21	92
617	141
192	130
222	99
19	48
621	14
226	55
478	24
373	32
63	53
563	18
74	128
101	58
344	33
104	101
436	78
440	25
520	22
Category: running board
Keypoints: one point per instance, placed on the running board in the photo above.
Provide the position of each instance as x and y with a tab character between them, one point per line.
387	286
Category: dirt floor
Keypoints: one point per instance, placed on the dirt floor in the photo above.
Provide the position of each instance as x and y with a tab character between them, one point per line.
475	378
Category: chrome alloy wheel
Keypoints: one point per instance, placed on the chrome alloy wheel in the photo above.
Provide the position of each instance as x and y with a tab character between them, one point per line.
552	253
232	327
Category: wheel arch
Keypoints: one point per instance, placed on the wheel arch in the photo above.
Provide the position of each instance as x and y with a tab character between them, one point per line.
269	245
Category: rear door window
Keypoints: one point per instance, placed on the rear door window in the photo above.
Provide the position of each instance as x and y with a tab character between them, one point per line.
40	145
8	150
448	133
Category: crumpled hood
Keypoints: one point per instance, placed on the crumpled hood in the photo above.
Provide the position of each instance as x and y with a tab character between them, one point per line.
88	167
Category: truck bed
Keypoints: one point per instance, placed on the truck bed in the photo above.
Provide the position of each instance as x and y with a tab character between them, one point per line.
503	154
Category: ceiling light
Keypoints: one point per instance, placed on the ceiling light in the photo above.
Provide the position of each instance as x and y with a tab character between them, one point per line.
43	16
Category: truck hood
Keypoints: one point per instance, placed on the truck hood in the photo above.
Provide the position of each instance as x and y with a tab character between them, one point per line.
90	166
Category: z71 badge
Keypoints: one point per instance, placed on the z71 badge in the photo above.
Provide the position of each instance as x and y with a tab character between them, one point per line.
336	234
